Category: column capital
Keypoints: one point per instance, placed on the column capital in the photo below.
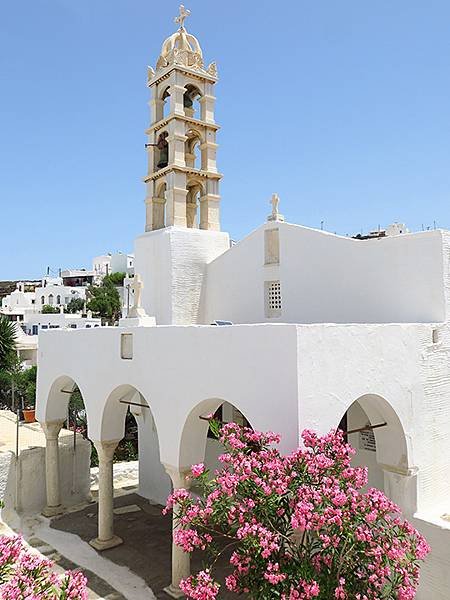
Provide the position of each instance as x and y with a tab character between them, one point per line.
106	449
179	476
52	429
206	97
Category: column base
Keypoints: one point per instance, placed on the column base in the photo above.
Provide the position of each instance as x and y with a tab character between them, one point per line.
101	545
174	591
53	511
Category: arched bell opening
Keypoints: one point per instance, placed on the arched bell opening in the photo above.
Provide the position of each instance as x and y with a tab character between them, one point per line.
165	108
161	151
159	206
193	152
191	101
194	192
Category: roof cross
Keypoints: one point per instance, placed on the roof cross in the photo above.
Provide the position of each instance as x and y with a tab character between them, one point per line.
184	12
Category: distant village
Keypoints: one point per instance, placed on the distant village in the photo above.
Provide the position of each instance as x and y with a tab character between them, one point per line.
61	300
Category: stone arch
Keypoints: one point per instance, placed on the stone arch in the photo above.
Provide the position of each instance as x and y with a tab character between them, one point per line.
390	462
392	444
194	154
153	481
55	407
191	101
112	418
159	204
195	191
164	97
193	438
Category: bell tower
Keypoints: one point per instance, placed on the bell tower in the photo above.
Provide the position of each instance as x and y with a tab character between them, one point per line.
182	231
182	181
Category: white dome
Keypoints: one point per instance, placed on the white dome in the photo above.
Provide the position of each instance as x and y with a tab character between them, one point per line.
181	40
181	48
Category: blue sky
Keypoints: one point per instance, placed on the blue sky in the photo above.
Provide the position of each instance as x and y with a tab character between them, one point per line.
342	107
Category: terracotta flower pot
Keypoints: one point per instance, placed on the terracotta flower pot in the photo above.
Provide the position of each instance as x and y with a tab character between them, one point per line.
29	415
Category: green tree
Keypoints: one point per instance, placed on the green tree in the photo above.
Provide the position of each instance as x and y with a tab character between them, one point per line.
104	301
23	380
75	305
49	310
8	340
115	278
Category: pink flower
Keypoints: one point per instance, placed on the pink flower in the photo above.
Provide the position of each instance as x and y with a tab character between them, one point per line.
291	515
198	470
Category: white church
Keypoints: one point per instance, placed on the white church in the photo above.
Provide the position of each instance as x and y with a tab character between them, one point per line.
290	328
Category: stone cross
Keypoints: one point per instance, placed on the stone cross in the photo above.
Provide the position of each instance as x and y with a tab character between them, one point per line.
275	201
184	12
275	216
137	286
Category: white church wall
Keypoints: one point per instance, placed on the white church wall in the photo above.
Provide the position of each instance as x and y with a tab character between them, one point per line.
432	421
154	483
328	278
400	363
446	268
235	283
435	571
172	262
175	369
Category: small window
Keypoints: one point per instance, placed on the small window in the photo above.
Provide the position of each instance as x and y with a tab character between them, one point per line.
42	299
58	299
50	299
273	299
126	346
44	326
73	326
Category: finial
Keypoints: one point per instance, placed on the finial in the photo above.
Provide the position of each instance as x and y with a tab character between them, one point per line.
184	12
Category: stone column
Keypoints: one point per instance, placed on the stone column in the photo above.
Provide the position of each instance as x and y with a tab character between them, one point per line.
400	485
181	561
208	150
207	102
210	212
176	193
156	109
177	91
51	430
106	538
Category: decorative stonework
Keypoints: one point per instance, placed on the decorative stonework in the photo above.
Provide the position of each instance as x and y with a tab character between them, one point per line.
183	49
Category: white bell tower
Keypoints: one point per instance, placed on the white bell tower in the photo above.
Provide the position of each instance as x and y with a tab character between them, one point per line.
182	230
182	191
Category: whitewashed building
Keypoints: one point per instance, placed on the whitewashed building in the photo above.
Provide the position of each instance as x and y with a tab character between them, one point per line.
17	303
324	330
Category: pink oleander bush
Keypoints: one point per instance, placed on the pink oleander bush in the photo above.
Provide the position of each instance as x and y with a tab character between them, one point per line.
27	576
297	526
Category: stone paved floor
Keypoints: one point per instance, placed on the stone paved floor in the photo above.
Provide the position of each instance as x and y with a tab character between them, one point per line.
147	541
98	588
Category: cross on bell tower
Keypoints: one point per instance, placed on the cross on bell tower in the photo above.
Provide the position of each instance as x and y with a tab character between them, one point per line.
182	180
